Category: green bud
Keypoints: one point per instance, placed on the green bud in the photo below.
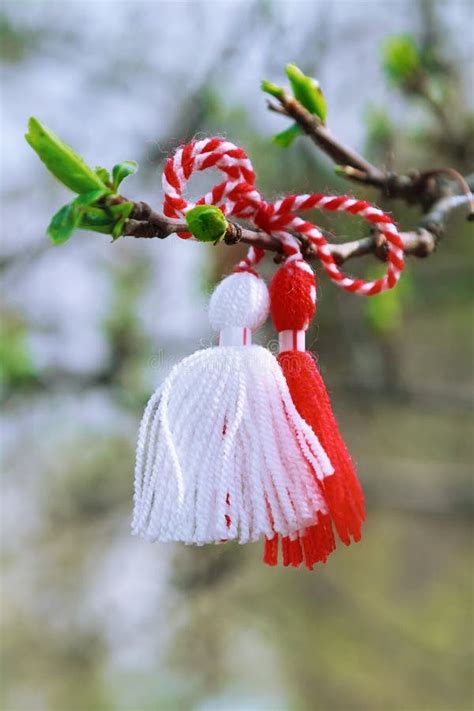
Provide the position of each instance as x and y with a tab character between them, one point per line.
120	214
307	91
285	138
269	88
207	223
90	211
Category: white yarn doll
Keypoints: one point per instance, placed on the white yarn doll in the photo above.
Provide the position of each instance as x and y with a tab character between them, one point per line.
222	452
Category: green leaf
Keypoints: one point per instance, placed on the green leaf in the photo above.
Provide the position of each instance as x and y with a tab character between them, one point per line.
61	160
63	224
97	219
122	212
117	229
90	198
207	223
103	174
85	213
286	137
401	60
120	208
122	171
307	91
109	219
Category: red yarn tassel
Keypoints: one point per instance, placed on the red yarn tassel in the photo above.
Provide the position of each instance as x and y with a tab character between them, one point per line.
293	297
342	491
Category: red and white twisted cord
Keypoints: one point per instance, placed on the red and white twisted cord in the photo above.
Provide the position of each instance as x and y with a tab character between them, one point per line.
237	196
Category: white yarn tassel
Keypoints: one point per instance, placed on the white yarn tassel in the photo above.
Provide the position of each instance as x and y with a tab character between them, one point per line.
222	452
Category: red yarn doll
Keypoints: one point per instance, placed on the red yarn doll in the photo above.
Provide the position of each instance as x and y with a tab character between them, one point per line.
293	304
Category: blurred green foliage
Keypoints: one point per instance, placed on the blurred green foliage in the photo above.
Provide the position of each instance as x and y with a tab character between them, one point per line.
380	134
384	312
95	485
420	70
401	60
16	364
16	42
129	344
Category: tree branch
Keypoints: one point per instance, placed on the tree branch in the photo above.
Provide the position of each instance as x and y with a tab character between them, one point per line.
414	188
321	136
146	223
436	200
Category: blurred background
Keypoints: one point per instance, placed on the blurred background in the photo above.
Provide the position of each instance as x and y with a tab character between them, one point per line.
93	619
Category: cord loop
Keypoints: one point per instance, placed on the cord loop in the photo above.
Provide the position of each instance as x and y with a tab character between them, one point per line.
237	196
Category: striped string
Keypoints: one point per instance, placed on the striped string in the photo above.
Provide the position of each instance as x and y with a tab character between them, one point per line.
237	196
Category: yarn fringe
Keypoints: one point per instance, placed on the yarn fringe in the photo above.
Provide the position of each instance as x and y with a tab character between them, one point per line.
223	453
342	491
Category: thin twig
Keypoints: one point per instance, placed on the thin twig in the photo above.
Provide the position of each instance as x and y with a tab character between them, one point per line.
146	223
415	188
323	138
